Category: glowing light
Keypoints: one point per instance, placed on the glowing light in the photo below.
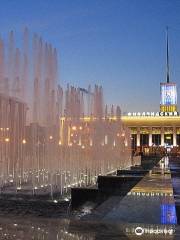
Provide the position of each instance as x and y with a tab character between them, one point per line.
168	137
168	94
50	137
74	128
24	141
7	139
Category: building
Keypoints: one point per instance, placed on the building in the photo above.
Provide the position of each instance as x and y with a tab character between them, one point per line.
12	133
154	131
150	131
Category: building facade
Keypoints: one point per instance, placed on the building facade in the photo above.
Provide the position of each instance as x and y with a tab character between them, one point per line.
152	131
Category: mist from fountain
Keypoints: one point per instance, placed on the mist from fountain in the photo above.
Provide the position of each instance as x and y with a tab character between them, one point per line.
53	139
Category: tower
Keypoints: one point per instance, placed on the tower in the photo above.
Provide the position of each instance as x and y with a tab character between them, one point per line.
168	89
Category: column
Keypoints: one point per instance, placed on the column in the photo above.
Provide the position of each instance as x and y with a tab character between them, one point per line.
138	137
150	136
162	136
174	137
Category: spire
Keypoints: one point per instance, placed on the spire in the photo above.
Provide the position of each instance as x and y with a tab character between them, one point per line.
167	55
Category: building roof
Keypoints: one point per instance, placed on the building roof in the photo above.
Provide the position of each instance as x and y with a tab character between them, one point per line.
139	121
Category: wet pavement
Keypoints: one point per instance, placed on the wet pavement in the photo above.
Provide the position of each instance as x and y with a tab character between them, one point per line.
54	229
175	174
146	212
151	201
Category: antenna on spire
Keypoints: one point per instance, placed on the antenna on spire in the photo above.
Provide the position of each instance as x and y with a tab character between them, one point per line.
167	54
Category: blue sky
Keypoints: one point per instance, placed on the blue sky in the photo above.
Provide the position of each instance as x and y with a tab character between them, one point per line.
117	43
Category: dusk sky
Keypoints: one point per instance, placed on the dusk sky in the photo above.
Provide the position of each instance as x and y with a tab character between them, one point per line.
119	44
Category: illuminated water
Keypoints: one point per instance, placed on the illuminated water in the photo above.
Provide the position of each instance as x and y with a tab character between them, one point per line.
146	212
43	229
52	138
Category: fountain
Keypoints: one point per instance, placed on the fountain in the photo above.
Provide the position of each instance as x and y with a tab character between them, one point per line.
53	139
